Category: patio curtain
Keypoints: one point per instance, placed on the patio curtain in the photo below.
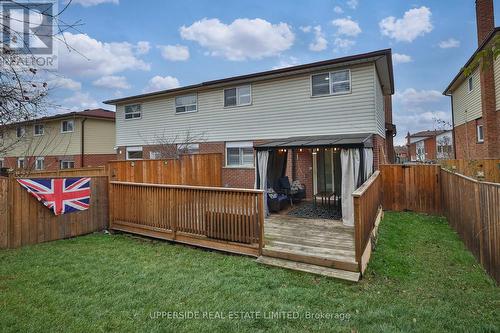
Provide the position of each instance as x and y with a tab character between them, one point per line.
261	175
350	161
368	163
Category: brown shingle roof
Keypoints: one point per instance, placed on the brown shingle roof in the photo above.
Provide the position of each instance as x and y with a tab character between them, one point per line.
426	133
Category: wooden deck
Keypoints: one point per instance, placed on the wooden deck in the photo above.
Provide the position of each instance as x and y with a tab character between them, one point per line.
319	246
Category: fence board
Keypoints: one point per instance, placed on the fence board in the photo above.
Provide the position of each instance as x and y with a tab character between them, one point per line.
215	217
77	172
196	170
27	221
483	169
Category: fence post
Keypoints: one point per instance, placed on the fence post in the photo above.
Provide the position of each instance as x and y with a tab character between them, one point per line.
260	208
176	213
111	203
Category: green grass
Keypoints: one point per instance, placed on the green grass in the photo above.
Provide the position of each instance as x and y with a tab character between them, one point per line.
421	278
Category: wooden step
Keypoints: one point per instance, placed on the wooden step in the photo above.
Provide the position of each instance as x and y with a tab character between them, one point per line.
342	263
309	268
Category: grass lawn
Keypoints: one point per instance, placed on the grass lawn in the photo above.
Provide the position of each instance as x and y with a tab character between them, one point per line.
421	278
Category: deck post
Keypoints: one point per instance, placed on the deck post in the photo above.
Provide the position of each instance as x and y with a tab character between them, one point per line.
261	213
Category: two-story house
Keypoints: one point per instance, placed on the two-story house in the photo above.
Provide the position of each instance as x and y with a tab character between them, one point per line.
308	113
475	99
428	146
62	141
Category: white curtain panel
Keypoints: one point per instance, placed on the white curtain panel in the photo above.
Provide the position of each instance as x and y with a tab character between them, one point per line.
368	152
262	159
349	159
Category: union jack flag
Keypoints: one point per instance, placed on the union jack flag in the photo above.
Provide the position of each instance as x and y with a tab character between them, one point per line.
61	195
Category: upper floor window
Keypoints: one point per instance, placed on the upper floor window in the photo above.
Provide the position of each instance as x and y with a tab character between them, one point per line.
20	131
470	83
67	164
67	126
186	103
39	129
238	96
480	133
134	153
39	163
338	82
133	111
239	154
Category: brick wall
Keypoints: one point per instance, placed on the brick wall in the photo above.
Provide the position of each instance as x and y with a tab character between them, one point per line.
466	143
379	154
52	163
430	148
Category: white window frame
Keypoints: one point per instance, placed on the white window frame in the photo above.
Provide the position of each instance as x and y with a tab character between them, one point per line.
132	113
190	148
38	134
63	164
330	85
72	121
238	104
154	155
470	83
134	149
183	112
480	133
1	162
42	160
22	129
240	145
19	160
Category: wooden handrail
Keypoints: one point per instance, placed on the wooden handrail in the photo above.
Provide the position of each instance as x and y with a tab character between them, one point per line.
191	187
366	185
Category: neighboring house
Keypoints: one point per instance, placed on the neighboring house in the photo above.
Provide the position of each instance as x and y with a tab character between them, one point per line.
70	140
475	99
310	110
430	145
401	154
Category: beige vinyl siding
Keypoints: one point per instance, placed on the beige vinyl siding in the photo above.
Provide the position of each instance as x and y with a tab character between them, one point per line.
52	142
280	108
467	105
99	136
379	106
496	73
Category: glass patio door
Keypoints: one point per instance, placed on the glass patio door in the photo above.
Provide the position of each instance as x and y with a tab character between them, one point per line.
323	170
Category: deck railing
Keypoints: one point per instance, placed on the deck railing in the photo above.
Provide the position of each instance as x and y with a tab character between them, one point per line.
367	208
223	218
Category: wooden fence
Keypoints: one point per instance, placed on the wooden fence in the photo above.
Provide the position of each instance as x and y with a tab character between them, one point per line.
215	217
473	210
196	170
485	169
77	172
472	207
367	215
414	187
25	221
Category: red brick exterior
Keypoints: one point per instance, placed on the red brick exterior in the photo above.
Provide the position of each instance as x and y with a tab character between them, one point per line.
466	143
379	154
52	163
484	19
390	130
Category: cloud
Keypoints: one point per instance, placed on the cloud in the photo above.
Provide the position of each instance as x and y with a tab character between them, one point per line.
412	96
174	52
347	27
449	43
415	22
90	57
399	58
242	39
56	82
112	82
342	43
142	47
287	62
80	101
306	28
338	10
352	4
161	83
89	3
319	43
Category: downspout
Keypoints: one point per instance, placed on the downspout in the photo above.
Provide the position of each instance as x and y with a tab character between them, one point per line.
82	143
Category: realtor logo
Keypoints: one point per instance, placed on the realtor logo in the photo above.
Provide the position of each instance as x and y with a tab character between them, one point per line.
28	31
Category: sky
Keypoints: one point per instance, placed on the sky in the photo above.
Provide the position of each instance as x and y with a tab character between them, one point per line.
126	47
